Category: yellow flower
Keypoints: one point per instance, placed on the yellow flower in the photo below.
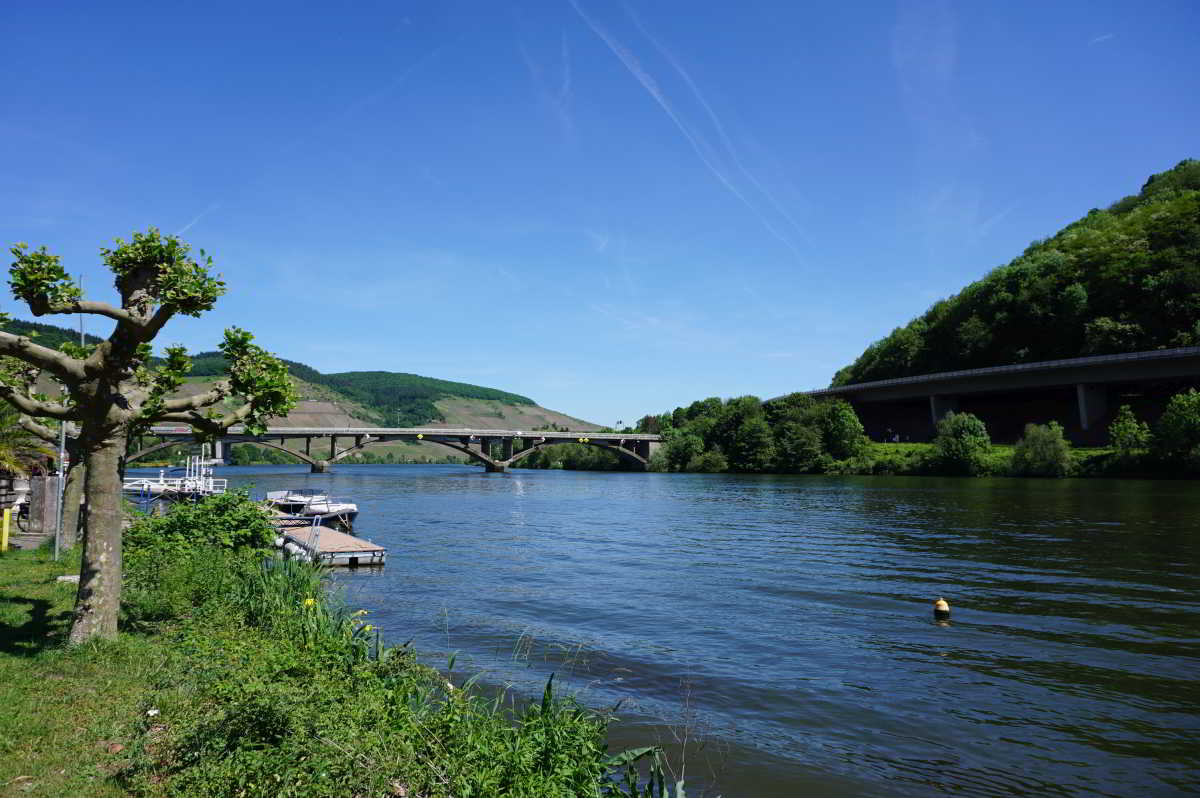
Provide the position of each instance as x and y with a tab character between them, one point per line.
308	602
359	613
368	628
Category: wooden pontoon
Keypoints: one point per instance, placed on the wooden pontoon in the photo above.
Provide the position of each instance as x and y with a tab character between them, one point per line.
316	543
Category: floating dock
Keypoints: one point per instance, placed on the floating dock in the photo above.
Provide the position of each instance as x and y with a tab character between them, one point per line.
326	545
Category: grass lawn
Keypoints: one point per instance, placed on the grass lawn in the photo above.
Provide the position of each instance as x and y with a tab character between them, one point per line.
67	716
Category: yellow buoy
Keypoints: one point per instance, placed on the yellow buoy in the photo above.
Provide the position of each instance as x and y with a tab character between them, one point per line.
941	609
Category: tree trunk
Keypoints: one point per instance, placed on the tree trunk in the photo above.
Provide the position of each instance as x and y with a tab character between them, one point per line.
72	495
98	602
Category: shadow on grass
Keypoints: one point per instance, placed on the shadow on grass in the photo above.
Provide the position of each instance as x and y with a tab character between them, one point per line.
43	630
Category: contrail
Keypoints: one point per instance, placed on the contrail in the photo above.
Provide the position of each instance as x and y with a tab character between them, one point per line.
198	217
716	120
631	63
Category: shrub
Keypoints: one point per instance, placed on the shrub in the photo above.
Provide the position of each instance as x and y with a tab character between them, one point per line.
226	521
681	449
962	444
841	432
168	559
1176	438
711	462
797	446
1128	435
1042	452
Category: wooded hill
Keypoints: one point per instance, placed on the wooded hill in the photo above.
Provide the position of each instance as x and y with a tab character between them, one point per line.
401	400
1123	279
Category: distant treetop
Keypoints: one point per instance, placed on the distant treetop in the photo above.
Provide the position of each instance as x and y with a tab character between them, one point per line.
1124	279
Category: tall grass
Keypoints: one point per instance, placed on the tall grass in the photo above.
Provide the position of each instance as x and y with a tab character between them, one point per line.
277	688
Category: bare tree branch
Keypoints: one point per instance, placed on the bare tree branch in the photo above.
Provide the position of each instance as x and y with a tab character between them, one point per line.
37	430
151	326
94	308
36	407
53	361
219	391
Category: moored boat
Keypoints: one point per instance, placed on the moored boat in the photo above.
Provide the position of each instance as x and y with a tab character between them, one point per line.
312	503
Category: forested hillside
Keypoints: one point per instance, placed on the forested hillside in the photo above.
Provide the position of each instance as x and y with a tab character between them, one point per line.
399	399
1124	279
46	334
403	400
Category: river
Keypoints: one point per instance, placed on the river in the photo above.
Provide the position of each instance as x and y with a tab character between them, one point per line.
776	633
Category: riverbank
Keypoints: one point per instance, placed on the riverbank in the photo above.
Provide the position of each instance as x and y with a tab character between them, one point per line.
921	459
231	678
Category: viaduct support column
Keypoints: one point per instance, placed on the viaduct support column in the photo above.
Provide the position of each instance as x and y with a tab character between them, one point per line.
319	467
1093	404
507	449
939	406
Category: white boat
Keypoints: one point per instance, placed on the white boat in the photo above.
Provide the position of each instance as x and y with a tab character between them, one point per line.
312	503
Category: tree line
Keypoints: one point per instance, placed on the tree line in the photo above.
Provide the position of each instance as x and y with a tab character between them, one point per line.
801	435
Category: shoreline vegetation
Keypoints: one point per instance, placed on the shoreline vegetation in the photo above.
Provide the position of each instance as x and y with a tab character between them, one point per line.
801	435
237	673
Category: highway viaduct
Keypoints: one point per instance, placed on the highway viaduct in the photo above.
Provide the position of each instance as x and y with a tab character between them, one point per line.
495	449
1081	393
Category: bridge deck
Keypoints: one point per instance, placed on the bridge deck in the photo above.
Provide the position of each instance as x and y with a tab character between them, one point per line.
428	432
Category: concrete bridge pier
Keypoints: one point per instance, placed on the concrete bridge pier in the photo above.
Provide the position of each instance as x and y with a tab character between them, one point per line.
319	467
1093	404
939	406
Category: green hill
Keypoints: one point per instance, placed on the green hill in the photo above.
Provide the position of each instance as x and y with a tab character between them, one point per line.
1124	279
402	400
46	334
397	399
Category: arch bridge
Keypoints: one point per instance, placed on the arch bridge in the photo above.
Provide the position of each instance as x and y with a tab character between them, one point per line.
495	449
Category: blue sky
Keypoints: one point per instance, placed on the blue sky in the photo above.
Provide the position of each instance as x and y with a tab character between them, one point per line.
613	208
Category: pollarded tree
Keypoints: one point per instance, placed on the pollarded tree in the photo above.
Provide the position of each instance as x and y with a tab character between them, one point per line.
114	390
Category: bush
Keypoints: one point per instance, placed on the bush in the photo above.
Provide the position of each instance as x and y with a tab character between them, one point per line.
711	462
1042	452
681	449
797	446
1127	435
841	432
226	521
167	558
962	444
1176	438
